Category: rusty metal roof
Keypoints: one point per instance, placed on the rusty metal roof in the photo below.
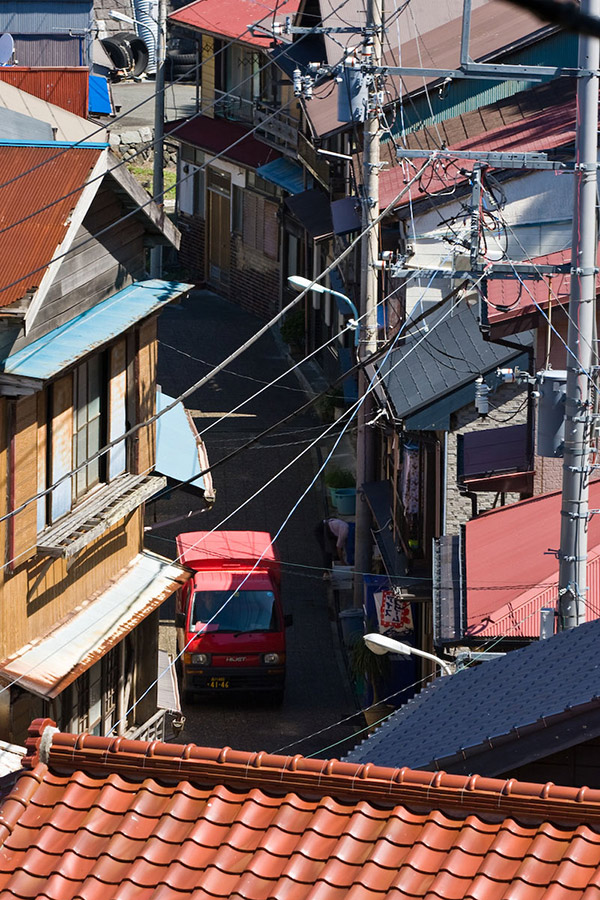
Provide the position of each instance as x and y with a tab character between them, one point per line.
47	665
67	87
98	817
40	189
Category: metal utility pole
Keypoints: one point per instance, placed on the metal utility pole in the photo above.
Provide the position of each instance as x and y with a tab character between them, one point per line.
365	462
574	511
158	178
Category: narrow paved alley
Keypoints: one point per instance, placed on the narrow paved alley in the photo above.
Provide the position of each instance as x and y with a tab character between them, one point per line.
193	338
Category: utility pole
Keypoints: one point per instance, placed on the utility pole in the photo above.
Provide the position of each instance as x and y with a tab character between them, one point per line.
158	178
572	585
365	462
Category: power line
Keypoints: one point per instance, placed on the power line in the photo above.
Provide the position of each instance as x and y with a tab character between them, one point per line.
215	371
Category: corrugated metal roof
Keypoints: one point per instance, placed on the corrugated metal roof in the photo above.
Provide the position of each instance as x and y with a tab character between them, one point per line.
313	209
482	719
49	664
180	451
63	346
527	534
64	87
445	360
231	18
217	135
35	210
284	173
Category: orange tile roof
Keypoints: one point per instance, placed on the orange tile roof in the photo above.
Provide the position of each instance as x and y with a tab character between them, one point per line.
94	817
39	188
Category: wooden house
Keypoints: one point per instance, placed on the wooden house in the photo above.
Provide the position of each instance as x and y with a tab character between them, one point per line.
78	351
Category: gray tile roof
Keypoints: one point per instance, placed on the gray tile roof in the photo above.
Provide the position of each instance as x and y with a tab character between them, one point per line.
451	355
499	715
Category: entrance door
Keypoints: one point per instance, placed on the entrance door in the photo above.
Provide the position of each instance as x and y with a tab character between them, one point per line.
219	231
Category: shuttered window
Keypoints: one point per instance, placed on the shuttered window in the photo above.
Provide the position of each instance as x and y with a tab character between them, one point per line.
261	225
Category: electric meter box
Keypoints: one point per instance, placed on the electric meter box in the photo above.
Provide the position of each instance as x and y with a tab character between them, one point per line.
552	389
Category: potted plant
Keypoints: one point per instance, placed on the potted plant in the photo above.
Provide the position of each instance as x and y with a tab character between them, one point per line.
342	489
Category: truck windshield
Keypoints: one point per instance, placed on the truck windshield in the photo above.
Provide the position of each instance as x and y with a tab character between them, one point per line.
246	611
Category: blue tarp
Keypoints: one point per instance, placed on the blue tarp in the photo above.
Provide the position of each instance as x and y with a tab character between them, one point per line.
99	98
176	443
284	173
62	347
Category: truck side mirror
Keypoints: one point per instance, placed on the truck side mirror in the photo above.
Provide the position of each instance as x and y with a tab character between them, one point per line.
179	620
288	620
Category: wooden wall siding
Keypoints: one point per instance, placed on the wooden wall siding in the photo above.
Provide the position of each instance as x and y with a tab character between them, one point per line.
207	71
62	445
94	270
143	458
45	590
117	425
24	479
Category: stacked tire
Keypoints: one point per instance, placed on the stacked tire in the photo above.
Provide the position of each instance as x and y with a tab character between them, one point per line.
181	66
127	52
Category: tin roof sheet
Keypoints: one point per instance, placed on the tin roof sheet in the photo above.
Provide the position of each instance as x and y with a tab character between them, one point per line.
63	346
231	18
99	817
41	187
180	452
285	173
48	664
66	87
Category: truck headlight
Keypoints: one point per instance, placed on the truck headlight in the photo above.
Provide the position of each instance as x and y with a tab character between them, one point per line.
201	659
273	659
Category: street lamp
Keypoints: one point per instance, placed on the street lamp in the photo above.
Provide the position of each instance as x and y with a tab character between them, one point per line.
380	644
301	284
158	178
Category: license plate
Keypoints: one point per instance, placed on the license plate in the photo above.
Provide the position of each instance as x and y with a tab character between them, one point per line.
218	683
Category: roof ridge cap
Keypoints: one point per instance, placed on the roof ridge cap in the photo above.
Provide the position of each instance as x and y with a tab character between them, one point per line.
342	780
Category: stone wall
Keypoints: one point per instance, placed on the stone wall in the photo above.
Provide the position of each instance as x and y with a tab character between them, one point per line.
136	145
509	400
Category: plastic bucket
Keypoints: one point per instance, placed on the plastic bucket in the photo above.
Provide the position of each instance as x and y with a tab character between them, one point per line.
345	501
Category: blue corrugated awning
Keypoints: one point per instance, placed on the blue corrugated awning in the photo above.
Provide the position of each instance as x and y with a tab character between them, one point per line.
55	351
180	453
284	173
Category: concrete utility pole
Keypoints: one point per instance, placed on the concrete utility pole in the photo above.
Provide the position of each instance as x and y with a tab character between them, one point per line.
572	587
158	178
365	462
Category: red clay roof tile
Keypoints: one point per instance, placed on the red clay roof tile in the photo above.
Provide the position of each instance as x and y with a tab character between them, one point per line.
105	818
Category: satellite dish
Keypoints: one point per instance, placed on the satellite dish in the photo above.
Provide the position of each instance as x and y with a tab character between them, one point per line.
7	48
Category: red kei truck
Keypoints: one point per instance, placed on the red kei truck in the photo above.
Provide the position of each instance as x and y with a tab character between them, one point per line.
229	618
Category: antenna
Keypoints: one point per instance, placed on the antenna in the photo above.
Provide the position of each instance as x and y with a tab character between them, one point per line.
7	48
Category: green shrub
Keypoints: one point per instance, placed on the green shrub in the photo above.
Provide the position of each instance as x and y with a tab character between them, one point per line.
292	327
339	478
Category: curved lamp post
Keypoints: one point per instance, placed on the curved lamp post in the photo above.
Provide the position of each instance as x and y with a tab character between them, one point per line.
301	284
380	644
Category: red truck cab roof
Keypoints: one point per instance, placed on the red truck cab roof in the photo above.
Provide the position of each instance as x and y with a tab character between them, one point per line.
204	550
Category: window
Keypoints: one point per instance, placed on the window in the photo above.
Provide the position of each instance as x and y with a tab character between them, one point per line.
190	189
96	695
87	425
246	611
261	225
